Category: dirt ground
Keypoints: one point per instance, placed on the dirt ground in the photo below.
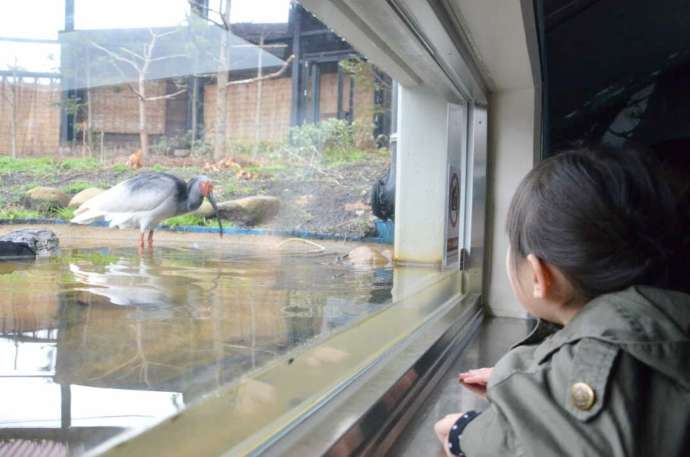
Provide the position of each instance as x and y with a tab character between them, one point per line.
333	200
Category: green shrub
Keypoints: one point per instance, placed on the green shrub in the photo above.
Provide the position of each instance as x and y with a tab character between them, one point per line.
18	213
65	213
334	134
186	219
119	168
84	164
41	166
76	187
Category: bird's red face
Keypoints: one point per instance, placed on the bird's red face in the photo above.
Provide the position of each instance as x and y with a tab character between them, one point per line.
206	188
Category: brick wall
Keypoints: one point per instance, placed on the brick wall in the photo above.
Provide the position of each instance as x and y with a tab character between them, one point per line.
276	102
38	117
116	109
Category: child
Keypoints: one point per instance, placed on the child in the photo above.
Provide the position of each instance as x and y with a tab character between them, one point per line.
600	252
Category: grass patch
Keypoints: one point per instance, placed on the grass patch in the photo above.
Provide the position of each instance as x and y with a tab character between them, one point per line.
237	188
119	168
11	214
194	220
65	213
76	187
79	164
336	157
41	166
187	219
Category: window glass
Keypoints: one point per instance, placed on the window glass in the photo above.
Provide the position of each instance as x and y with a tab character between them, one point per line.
617	74
288	122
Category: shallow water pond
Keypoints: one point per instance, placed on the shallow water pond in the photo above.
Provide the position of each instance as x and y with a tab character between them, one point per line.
102	339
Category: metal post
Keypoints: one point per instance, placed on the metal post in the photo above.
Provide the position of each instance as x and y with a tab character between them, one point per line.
296	20
69	15
352	99
65	406
341	82
67	72
315	92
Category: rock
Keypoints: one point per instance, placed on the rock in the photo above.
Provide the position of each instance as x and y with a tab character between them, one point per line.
12	250
366	256
182	153
45	198
250	210
205	210
245	211
84	195
42	242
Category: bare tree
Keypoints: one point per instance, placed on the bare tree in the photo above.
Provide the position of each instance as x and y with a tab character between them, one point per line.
141	63
11	99
223	65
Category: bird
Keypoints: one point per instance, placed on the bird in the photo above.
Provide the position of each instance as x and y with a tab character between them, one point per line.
136	159
145	200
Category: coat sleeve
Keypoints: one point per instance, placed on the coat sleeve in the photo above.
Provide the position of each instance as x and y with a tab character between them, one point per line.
531	410
489	434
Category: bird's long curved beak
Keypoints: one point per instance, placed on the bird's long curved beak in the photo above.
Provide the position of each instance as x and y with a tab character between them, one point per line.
212	199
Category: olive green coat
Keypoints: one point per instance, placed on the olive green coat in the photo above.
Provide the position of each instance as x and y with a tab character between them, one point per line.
632	348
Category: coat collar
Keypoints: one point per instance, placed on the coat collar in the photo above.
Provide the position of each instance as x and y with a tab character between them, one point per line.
652	325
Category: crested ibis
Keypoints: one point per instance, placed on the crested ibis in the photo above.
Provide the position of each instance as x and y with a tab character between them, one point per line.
145	200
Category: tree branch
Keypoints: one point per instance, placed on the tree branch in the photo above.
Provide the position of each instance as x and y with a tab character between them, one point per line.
136	92
161	35
162	97
132	53
268	76
116	56
172	56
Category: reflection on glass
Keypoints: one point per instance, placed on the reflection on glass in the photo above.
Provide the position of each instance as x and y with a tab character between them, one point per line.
102	340
262	98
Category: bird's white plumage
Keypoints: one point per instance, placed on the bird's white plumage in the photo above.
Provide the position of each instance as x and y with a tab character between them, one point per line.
130	204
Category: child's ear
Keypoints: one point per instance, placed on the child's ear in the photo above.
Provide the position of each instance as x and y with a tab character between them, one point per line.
541	277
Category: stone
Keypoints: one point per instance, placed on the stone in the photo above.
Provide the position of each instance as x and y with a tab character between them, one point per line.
42	242
45	198
83	196
181	153
367	256
250	210
205	210
12	250
244	211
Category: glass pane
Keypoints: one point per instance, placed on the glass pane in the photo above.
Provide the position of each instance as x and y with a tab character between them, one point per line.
618	74
262	107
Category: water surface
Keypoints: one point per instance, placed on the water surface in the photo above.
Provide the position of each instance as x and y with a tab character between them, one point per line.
99	340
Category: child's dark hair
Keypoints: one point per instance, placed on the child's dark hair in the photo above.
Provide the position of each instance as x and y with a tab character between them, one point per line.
606	219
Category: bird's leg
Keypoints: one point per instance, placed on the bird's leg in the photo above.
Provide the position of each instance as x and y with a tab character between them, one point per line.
150	238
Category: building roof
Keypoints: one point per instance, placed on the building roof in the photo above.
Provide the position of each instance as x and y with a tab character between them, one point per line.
93	58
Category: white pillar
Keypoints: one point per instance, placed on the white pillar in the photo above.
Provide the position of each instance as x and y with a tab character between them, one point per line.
421	176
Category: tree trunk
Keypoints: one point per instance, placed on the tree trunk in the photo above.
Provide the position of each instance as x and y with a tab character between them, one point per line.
89	109
221	114
222	88
143	133
259	89
13	119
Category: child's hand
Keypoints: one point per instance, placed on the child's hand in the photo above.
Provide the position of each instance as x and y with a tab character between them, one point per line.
476	380
442	429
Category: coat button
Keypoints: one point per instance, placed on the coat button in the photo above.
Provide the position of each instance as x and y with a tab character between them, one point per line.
583	396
